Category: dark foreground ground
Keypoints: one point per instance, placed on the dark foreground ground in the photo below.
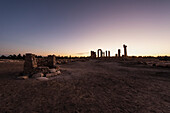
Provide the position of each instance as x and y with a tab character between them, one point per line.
91	86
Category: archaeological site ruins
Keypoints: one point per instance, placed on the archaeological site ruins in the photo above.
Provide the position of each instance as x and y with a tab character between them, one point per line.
101	54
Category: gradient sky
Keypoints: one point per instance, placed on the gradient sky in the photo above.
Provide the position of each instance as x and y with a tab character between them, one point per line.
74	27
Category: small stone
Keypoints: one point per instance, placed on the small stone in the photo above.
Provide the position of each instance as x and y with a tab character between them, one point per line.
23	77
42	78
58	72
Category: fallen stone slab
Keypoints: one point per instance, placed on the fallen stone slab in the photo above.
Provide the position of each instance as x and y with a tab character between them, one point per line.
23	77
37	75
53	74
42	78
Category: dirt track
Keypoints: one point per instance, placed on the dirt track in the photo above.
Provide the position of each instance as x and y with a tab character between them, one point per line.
91	86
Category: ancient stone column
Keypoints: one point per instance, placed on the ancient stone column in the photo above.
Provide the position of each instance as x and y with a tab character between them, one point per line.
125	50
101	53
118	52
30	63
51	61
98	52
106	53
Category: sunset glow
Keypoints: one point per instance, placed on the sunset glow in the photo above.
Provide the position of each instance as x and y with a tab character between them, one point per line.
77	27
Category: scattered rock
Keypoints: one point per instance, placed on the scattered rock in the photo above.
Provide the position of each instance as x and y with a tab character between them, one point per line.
38	75
52	70
58	72
50	75
23	77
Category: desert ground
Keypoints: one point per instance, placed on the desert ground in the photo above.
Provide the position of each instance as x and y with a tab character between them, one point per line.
94	85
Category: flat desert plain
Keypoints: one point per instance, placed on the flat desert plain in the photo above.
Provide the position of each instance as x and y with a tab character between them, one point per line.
93	86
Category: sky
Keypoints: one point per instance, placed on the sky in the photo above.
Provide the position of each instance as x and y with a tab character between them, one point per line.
75	27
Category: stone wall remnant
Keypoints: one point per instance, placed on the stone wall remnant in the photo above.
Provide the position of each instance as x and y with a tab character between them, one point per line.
30	63
51	61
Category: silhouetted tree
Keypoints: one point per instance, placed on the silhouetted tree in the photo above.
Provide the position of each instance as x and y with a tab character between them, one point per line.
3	57
19	56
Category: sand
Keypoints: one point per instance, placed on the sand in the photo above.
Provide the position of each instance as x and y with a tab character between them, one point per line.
89	86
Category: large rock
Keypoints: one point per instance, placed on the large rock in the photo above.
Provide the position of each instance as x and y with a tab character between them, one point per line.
52	70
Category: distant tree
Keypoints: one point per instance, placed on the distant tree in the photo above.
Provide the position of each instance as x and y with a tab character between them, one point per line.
19	56
10	57
23	57
14	56
3	57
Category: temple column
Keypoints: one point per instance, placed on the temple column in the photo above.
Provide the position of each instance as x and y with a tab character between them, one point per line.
125	50
118	52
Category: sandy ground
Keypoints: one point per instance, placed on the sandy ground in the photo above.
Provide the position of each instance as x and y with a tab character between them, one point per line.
92	86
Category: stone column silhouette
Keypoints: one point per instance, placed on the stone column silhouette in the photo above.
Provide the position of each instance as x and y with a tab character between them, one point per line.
125	50
118	52
108	53
98	52
30	63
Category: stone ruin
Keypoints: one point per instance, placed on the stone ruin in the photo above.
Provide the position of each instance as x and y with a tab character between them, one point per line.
40	67
52	61
93	54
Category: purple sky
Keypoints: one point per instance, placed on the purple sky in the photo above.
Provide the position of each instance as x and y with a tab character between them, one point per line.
74	27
